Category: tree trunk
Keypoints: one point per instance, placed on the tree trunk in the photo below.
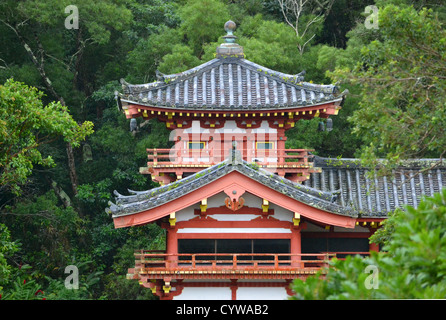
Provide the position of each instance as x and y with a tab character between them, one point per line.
72	168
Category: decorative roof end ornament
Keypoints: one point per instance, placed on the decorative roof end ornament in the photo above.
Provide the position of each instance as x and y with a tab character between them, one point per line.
230	49
230	28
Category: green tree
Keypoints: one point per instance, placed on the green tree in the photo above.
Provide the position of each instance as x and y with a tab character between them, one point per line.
202	22
272	45
7	248
25	125
144	59
181	59
306	18
51	232
57	53
402	80
75	67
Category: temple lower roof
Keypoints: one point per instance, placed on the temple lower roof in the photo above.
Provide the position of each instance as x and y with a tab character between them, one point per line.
371	194
342	187
144	200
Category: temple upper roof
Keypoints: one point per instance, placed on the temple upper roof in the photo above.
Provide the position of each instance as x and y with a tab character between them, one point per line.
230	82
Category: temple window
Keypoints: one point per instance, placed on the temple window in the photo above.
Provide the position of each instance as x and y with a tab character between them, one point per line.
265	145
196	145
233	246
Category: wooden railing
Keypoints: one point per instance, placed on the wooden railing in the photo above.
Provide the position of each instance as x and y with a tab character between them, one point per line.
213	156
234	261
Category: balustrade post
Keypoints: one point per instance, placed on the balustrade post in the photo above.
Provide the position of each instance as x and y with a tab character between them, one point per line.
305	157
155	157
179	157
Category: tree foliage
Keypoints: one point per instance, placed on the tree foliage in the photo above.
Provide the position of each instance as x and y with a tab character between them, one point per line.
25	125
402	79
202	21
305	17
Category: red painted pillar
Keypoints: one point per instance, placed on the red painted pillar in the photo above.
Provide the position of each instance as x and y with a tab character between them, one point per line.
295	247
373	247
233	288
172	247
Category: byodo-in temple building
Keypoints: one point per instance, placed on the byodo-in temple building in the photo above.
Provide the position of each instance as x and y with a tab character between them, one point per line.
243	215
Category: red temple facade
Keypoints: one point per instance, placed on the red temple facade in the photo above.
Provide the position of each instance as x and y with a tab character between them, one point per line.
243	215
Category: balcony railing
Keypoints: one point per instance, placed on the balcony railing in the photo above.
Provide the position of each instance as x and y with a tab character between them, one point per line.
159	265
151	262
271	157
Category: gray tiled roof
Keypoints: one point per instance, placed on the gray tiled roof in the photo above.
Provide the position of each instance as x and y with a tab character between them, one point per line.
374	195
230	83
144	200
342	187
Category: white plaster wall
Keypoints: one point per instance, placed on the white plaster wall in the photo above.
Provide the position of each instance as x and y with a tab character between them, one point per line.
232	217
187	213
251	200
196	128
224	293
230	126
261	293
204	293
217	200
202	159
280	213
264	128
234	230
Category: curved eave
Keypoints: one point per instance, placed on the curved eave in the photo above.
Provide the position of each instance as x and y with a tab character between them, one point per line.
200	109
227	183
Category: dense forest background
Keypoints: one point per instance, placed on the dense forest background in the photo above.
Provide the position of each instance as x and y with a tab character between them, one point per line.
60	164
